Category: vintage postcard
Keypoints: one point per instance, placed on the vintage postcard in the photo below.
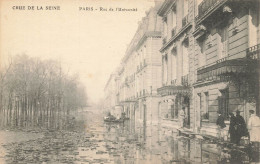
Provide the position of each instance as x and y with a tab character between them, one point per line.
129	81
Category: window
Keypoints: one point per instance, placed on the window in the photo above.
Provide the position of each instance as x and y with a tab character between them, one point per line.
165	69
197	7
185	7
174	65
223	103
177	101
185	59
205	114
202	53
165	26
172	110
224	42
199	102
174	19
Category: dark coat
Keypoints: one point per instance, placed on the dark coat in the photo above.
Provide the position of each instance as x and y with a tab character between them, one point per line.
232	126
233	129
221	121
241	126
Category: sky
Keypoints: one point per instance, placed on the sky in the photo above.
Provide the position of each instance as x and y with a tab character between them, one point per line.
89	43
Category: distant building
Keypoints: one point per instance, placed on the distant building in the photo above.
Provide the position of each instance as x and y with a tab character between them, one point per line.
110	96
140	76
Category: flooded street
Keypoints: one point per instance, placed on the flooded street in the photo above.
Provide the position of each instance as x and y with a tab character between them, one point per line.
99	142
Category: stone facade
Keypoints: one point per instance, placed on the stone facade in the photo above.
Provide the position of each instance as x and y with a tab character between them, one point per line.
198	55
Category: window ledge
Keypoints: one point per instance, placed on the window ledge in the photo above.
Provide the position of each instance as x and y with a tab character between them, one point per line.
205	120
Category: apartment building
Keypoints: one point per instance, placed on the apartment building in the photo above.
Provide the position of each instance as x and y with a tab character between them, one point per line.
226	42
176	53
198	55
141	70
110	94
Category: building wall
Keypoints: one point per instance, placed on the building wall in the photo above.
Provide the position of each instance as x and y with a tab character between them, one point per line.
240	29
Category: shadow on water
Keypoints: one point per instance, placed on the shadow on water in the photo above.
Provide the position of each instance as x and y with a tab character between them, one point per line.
87	139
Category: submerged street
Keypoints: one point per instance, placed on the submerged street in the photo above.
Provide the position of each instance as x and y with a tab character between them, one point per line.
99	142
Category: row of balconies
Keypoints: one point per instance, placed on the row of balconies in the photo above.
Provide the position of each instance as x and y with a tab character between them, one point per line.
184	81
185	21
141	66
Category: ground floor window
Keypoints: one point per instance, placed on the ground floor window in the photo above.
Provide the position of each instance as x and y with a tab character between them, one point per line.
223	103
205	114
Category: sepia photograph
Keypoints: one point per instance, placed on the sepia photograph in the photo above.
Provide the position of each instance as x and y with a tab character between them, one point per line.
129	81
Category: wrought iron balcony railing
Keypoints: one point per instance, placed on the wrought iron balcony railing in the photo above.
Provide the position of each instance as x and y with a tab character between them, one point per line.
253	52
173	82
206	5
185	80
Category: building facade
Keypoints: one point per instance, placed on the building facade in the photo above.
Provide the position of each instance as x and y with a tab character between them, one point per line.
226	77
176	51
198	55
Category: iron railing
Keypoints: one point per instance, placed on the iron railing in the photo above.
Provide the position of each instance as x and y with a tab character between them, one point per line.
185	80
253	52
206	5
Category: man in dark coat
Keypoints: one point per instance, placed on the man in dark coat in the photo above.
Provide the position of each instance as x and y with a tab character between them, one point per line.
241	127
232	128
221	125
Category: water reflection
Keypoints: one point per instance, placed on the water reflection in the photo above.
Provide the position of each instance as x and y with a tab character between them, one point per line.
154	145
93	141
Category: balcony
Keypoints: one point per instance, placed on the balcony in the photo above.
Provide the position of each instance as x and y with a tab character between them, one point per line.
185	80
185	21
224	68
173	82
207	7
253	52
141	66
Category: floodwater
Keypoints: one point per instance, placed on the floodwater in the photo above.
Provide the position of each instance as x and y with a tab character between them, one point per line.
121	143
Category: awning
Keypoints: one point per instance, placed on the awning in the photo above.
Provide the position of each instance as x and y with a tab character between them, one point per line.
173	90
226	67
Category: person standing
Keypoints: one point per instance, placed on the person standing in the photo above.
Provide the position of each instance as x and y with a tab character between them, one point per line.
254	136
254	127
221	125
232	128
241	127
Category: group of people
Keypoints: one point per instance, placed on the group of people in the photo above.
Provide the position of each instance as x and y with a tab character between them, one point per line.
238	128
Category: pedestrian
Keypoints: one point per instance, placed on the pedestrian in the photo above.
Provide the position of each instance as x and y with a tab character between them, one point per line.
254	127
182	117
241	127
221	125
232	128
254	136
